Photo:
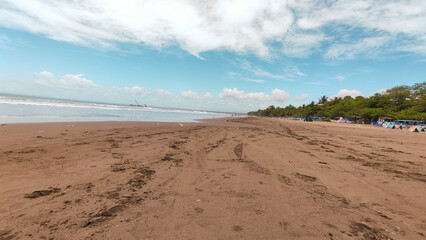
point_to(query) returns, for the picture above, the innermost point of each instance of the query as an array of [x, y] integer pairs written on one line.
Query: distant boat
[[138, 105]]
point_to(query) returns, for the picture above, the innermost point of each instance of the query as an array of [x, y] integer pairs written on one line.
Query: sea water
[[25, 109]]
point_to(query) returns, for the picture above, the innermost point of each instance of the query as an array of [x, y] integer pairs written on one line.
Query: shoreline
[[225, 178], [200, 121], [32, 110], [124, 122]]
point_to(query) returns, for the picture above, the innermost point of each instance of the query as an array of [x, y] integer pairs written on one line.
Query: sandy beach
[[235, 178]]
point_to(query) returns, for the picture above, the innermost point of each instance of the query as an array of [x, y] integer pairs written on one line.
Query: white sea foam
[[20, 109], [73, 104], [54, 103]]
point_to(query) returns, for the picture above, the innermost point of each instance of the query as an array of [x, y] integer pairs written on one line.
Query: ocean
[[26, 109]]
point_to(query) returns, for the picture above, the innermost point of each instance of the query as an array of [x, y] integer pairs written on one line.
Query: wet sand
[[241, 178]]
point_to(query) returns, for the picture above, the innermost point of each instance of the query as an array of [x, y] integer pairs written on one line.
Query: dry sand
[[242, 178]]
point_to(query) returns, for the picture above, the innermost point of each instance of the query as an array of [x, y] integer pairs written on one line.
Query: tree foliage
[[400, 102]]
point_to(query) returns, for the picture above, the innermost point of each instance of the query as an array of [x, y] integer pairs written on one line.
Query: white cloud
[[254, 80], [132, 92], [4, 38], [296, 28], [345, 92], [5, 41], [417, 45], [368, 47], [246, 65], [137, 91], [45, 78], [295, 70], [302, 44], [233, 74], [163, 92], [207, 96], [315, 83], [339, 77], [277, 95], [189, 94], [398, 16], [196, 26], [77, 84], [70, 81], [194, 95], [302, 97], [239, 76], [370, 27], [241, 95]]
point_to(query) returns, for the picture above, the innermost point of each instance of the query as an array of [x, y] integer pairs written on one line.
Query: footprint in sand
[[238, 150], [42, 193], [306, 178], [237, 228], [284, 224], [199, 210]]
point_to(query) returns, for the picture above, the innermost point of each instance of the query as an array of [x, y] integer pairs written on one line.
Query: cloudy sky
[[216, 55]]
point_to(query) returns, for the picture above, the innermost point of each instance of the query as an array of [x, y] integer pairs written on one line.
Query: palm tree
[[323, 100]]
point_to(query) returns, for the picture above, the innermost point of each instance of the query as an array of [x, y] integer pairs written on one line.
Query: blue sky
[[216, 55]]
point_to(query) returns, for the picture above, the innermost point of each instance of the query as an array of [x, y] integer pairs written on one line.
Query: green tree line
[[401, 102]]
